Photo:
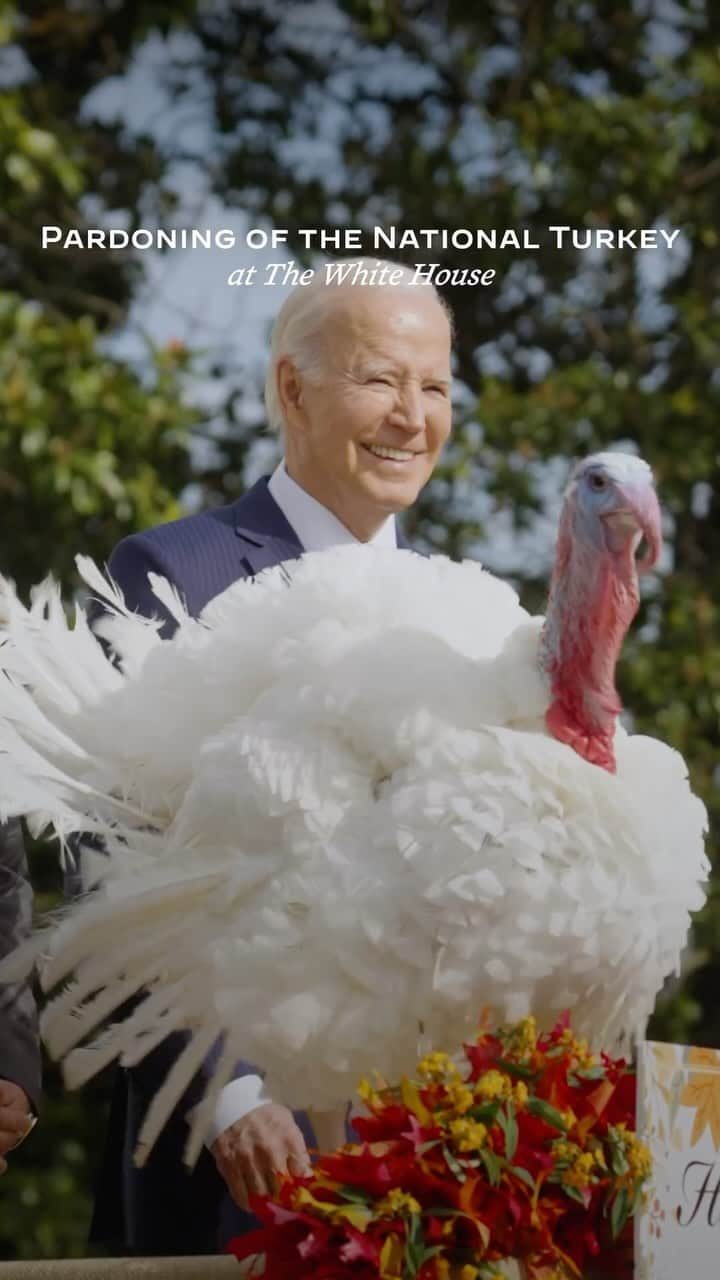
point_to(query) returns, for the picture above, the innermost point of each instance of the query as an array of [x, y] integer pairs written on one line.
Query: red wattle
[[595, 747]]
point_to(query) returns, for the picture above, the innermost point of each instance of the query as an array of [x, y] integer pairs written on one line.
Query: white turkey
[[363, 796]]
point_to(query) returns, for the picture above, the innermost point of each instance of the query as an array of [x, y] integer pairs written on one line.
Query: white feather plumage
[[334, 816]]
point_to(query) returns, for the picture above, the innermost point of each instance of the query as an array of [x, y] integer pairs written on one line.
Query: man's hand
[[15, 1116], [252, 1151]]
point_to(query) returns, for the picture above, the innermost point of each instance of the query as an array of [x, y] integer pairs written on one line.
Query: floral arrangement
[[526, 1151]]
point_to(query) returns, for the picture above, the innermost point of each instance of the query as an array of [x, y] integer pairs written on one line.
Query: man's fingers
[[298, 1160], [13, 1128], [270, 1161], [251, 1153], [258, 1175], [238, 1191], [297, 1152], [11, 1095], [286, 1154], [15, 1113]]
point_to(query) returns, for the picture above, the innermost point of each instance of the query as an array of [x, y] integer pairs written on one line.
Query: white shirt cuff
[[236, 1100]]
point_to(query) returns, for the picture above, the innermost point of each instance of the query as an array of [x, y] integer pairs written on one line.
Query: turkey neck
[[593, 599]]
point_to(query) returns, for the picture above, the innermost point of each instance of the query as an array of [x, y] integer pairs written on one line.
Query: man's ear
[[290, 390]]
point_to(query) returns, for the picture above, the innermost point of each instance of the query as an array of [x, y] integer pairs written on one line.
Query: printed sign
[[677, 1231]]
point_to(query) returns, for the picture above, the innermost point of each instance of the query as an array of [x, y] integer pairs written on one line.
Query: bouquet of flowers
[[524, 1151]]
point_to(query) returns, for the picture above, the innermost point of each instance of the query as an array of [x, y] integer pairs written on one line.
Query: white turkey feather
[[334, 816]]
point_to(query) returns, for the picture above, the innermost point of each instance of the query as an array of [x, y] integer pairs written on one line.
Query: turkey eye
[[597, 482]]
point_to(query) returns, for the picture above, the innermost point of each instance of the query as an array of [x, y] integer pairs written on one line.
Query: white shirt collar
[[316, 527]]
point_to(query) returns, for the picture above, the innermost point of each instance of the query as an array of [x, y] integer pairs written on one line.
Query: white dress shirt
[[317, 528]]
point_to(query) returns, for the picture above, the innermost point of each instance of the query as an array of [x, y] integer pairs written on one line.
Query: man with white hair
[[359, 387]]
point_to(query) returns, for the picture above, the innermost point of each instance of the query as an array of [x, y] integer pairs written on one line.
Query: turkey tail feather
[[173, 1088]]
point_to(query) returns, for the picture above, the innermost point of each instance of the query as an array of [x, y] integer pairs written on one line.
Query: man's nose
[[409, 411]]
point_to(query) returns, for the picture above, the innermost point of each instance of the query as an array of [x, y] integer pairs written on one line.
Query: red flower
[[523, 1169]]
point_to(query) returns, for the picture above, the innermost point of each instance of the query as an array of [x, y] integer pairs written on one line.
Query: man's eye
[[379, 379], [437, 386]]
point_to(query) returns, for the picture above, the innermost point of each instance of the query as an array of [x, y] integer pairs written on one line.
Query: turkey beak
[[639, 515]]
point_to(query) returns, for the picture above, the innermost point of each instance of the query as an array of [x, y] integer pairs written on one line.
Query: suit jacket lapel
[[262, 553], [265, 536]]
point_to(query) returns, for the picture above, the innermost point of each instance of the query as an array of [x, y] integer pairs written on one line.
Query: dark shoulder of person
[[198, 554]]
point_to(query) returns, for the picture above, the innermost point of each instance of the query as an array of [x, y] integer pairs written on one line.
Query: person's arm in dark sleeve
[[20, 1061], [129, 566]]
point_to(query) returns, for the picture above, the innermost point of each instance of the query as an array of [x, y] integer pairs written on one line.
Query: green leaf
[[508, 1123], [452, 1213], [417, 1254], [415, 1228], [453, 1165], [487, 1113], [620, 1212], [353, 1195], [597, 1072], [574, 1194], [493, 1165], [523, 1174], [414, 1245], [516, 1069], [618, 1159], [539, 1107]]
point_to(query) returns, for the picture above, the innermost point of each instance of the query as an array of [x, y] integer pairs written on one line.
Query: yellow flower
[[368, 1093], [565, 1150], [638, 1157], [460, 1098], [520, 1094], [579, 1167], [524, 1036], [599, 1156], [579, 1049], [391, 1258], [493, 1084], [358, 1215], [442, 1269], [398, 1201], [636, 1153], [437, 1066], [468, 1272], [468, 1134], [582, 1172]]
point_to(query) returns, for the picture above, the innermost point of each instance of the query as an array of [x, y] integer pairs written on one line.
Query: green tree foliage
[[89, 452], [90, 448]]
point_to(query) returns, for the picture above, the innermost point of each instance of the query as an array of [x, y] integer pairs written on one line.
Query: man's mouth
[[393, 455]]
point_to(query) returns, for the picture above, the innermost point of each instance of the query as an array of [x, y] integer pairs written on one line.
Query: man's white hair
[[299, 322]]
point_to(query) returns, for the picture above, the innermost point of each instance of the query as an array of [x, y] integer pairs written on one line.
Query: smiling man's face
[[363, 438]]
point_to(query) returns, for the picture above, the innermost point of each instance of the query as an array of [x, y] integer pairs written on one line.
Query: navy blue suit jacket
[[161, 1208]]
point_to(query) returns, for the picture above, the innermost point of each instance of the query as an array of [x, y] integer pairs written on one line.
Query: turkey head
[[610, 506]]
